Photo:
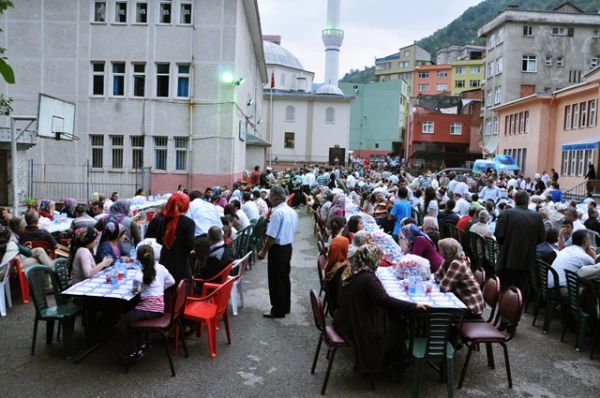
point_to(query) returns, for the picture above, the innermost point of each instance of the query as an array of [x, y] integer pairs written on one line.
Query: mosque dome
[[329, 89], [277, 55]]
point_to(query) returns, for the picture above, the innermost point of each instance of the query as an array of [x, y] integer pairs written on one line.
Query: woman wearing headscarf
[[68, 209], [81, 262], [337, 209], [455, 276], [414, 241], [431, 228], [119, 213], [176, 235], [362, 314], [46, 209]]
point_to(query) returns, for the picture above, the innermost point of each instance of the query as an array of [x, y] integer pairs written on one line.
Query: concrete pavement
[[272, 358]]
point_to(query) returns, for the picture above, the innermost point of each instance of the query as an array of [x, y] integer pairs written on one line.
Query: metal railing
[[580, 191]]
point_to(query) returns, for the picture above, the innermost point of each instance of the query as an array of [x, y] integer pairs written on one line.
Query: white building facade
[[172, 87]]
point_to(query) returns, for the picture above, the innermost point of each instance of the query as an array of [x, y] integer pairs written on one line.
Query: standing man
[[205, 215], [255, 176], [280, 235], [518, 232]]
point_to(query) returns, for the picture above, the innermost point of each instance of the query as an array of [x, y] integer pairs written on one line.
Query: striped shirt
[[152, 304], [152, 295]]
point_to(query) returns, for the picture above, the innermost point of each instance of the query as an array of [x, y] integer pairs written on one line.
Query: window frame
[[592, 113], [527, 31], [567, 122], [423, 87], [441, 74], [441, 87], [182, 76], [583, 114], [182, 4], [96, 3], [330, 115], [137, 151], [118, 76], [527, 61], [99, 148], [428, 123], [497, 95], [181, 153], [499, 67], [575, 122], [117, 12], [423, 75], [160, 13], [460, 70], [453, 127], [459, 83], [139, 3], [96, 74], [159, 75], [135, 77], [160, 149], [116, 148], [290, 113]]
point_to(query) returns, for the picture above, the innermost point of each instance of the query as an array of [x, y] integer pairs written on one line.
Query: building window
[[141, 12], [139, 80], [567, 123], [475, 69], [441, 87], [288, 140], [442, 73], [98, 78], [580, 163], [428, 127], [137, 151], [488, 126], [526, 127], [529, 63], [548, 60], [592, 111], [514, 123], [183, 80], [459, 83], [496, 125], [459, 70], [583, 110], [406, 53], [489, 98], [528, 31], [99, 11], [181, 151], [423, 87], [498, 95], [162, 80], [511, 125], [160, 153], [575, 123], [455, 128], [562, 31], [506, 124], [116, 142], [498, 65], [165, 9], [120, 12], [521, 123], [185, 12], [329, 115], [118, 78], [474, 83], [97, 144], [423, 75], [384, 66], [596, 33], [490, 69], [290, 113], [560, 61]]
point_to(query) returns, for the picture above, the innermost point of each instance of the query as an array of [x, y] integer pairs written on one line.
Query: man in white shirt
[[241, 214], [462, 206], [461, 188], [350, 182], [262, 206], [490, 192], [572, 258], [571, 214], [278, 244], [205, 215], [249, 207]]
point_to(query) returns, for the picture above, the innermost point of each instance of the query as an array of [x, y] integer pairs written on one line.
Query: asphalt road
[[272, 358]]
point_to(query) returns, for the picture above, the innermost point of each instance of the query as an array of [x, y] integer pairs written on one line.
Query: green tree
[[5, 70]]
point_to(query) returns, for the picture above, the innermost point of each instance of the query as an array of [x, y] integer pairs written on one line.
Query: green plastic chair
[[477, 250], [596, 314], [65, 313], [435, 346], [551, 296], [491, 254], [575, 312]]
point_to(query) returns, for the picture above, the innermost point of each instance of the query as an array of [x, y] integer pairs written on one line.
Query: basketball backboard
[[56, 118]]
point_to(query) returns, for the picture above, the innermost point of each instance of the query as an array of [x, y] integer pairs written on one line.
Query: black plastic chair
[[575, 312], [477, 249], [491, 254], [435, 346], [65, 313], [596, 304], [550, 295]]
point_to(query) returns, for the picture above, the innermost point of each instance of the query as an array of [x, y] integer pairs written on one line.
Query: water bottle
[[419, 284], [133, 253], [412, 283], [406, 273]]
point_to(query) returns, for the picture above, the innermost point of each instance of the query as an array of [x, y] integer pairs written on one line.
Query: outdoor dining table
[[61, 226], [97, 290]]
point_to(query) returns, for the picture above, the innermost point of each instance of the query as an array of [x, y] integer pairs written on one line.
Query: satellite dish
[[489, 144]]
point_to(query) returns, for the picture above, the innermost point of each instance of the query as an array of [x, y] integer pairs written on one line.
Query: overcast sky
[[371, 28]]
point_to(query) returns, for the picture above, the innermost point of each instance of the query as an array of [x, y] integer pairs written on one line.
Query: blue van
[[501, 164]]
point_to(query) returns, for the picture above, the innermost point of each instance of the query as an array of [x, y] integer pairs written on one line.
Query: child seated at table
[[151, 282], [111, 246]]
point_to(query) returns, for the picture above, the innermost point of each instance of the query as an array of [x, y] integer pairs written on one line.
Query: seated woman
[[338, 209], [68, 209], [46, 209], [151, 282], [82, 264], [336, 261], [355, 224], [431, 229], [111, 242], [417, 242], [28, 256], [367, 201], [362, 318], [455, 276]]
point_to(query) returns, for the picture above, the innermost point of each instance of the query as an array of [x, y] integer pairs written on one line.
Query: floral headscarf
[[45, 204], [411, 232], [366, 259], [119, 210], [69, 205], [177, 205]]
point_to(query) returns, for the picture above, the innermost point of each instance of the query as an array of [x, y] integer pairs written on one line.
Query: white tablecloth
[[96, 286], [59, 227]]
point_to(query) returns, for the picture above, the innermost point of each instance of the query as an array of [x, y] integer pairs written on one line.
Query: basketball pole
[[13, 155]]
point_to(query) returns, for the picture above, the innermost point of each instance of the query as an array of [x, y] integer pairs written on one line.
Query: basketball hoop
[[65, 135], [56, 118]]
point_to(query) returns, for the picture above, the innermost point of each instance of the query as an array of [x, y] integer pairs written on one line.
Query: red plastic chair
[[209, 309], [22, 280], [166, 323], [218, 279], [150, 215]]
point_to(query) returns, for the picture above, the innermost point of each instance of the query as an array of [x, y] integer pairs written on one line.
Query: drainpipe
[[191, 111]]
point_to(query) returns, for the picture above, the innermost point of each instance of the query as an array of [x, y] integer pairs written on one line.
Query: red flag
[[272, 79]]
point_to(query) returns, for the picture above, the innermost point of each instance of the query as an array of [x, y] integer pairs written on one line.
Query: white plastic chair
[[5, 294], [594, 237], [240, 265]]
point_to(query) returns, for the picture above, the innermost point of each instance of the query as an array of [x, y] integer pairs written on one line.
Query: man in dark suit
[[518, 232], [220, 254], [548, 250]]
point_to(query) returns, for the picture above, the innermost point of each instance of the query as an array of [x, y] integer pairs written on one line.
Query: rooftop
[[277, 55]]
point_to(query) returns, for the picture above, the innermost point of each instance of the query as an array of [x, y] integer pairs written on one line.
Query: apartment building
[[535, 52], [432, 80], [459, 53], [466, 75], [401, 65]]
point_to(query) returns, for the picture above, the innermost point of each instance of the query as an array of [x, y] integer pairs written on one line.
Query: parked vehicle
[[500, 164]]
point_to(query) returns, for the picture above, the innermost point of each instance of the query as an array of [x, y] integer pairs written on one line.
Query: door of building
[[337, 156]]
